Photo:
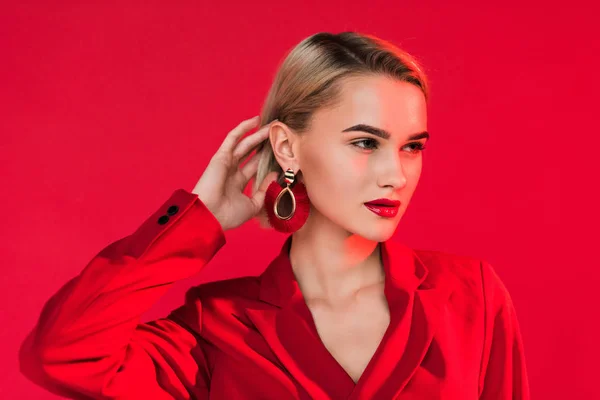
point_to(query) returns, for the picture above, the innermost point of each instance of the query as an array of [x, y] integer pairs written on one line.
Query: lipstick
[[384, 207]]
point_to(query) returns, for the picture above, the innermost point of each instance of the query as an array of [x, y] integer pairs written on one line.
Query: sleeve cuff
[[182, 222]]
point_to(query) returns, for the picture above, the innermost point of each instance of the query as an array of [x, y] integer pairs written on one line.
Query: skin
[[336, 255]]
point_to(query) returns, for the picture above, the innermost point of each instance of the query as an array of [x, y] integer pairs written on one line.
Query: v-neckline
[[307, 314], [328, 364], [372, 360], [290, 331]]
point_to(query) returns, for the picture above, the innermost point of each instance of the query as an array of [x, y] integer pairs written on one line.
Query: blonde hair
[[309, 78]]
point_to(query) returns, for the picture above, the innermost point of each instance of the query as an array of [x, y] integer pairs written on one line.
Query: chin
[[383, 235], [377, 232], [372, 228]]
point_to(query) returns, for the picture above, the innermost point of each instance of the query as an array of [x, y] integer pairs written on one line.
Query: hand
[[221, 185]]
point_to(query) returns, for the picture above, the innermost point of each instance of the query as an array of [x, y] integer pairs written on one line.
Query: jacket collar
[[278, 285], [416, 298]]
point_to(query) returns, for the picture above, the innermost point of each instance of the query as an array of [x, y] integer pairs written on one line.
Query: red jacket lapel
[[415, 301]]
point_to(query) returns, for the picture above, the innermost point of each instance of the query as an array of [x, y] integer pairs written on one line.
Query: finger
[[247, 155], [248, 171], [249, 143], [261, 136], [258, 199], [232, 137]]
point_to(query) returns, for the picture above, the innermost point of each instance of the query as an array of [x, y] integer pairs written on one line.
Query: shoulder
[[471, 276], [228, 291], [464, 271], [222, 300]]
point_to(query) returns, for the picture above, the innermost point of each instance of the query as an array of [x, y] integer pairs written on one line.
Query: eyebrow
[[383, 133]]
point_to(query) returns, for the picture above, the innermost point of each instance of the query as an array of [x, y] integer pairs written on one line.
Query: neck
[[330, 265]]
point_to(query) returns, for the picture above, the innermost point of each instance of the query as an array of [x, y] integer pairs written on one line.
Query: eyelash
[[419, 146]]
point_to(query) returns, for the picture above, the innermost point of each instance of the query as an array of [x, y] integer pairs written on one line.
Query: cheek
[[333, 180], [413, 173]]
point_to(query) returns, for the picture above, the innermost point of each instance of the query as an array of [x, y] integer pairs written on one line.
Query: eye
[[417, 147], [367, 141]]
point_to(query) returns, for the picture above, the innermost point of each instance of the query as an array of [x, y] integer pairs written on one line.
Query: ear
[[284, 143]]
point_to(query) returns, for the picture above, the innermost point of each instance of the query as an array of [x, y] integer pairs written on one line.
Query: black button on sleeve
[[172, 210], [163, 219]]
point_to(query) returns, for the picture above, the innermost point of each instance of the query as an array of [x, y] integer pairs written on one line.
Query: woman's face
[[343, 169]]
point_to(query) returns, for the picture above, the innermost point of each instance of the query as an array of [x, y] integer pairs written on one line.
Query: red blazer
[[453, 332]]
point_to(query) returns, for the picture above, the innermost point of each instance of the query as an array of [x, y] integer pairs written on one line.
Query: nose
[[393, 174]]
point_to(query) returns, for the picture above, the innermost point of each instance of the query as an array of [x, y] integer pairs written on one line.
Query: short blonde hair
[[309, 79]]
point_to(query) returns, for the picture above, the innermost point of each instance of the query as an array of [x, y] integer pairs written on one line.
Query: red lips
[[384, 202]]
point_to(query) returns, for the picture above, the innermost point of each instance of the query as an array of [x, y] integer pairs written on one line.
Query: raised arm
[[89, 342]]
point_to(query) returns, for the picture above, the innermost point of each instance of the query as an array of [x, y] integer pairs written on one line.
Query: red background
[[106, 109]]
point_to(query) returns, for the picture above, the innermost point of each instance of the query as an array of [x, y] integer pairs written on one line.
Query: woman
[[342, 312]]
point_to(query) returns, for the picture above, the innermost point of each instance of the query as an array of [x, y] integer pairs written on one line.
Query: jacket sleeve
[[88, 341], [503, 374]]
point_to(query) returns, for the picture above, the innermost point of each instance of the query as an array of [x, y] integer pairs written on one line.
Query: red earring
[[287, 216]]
